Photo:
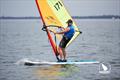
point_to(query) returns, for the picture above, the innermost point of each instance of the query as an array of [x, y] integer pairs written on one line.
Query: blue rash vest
[[70, 33]]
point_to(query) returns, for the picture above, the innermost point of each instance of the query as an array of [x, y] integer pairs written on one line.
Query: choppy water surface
[[24, 39]]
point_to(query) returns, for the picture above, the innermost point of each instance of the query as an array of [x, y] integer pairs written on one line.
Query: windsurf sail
[[54, 14]]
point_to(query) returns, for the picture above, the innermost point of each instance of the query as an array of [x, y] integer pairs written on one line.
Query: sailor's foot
[[60, 60], [64, 60]]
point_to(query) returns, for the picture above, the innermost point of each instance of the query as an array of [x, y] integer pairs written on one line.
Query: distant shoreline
[[74, 17]]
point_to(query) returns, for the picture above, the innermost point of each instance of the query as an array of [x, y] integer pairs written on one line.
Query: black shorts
[[64, 42]]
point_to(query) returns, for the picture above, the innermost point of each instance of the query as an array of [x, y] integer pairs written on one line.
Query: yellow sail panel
[[63, 15], [54, 13]]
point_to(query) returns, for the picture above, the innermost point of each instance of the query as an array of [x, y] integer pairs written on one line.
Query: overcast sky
[[75, 7]]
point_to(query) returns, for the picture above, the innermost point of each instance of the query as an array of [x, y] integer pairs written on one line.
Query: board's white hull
[[55, 63]]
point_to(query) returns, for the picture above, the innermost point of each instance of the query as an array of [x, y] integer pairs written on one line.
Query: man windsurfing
[[67, 35]]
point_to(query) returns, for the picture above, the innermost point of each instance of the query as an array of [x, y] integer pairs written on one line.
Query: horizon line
[[74, 17]]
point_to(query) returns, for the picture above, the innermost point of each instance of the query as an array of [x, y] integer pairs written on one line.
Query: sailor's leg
[[60, 53], [64, 53]]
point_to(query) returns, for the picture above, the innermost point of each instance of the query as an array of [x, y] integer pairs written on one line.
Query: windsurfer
[[68, 34]]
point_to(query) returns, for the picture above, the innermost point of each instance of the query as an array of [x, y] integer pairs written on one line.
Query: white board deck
[[60, 63]]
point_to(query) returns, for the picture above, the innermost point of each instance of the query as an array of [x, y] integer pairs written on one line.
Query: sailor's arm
[[62, 32]]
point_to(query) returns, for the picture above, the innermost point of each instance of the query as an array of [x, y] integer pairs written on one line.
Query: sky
[[75, 7]]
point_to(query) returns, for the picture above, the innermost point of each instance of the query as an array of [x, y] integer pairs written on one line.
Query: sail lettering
[[58, 5]]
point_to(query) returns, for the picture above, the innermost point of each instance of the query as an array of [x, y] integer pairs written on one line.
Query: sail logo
[[104, 68]]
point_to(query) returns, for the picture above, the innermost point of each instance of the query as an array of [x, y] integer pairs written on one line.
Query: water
[[23, 39]]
